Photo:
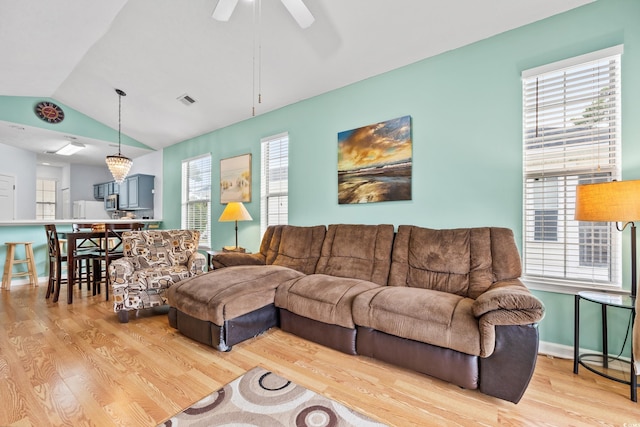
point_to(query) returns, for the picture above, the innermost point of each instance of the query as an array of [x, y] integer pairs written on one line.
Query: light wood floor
[[76, 365]]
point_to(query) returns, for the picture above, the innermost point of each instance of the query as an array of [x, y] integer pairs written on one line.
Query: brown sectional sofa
[[447, 303]]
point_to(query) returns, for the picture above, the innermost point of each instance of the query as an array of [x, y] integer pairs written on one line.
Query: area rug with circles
[[263, 399]]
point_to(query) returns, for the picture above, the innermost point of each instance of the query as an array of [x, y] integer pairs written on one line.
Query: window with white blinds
[[274, 181], [45, 198], [196, 197], [571, 136]]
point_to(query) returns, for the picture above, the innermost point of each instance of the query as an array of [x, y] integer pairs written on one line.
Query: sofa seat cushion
[[433, 317], [230, 292], [322, 297]]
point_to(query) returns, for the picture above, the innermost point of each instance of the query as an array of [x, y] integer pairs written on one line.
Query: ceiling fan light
[[224, 9], [119, 167], [300, 12]]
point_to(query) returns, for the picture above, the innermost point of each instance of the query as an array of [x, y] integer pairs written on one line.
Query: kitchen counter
[[27, 222], [33, 231]]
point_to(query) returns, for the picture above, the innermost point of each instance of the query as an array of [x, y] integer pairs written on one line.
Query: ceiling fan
[[296, 8]]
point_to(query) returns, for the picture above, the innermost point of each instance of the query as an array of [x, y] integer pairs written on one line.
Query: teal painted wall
[[28, 233], [19, 109], [466, 113]]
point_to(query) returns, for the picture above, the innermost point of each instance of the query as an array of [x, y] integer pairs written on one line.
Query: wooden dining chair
[[113, 246], [56, 260], [89, 251]]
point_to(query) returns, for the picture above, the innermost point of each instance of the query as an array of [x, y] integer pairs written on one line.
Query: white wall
[[22, 165], [82, 178]]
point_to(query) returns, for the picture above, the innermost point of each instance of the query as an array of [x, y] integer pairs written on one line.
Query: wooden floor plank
[[77, 365]]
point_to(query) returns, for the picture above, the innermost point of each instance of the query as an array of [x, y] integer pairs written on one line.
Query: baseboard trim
[[23, 282], [562, 351]]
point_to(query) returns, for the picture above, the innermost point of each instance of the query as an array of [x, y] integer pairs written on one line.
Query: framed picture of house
[[235, 179]]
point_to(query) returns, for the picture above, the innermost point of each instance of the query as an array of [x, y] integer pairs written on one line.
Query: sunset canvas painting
[[374, 162]]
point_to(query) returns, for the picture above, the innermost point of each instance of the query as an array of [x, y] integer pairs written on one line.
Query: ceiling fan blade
[[299, 11], [224, 9]]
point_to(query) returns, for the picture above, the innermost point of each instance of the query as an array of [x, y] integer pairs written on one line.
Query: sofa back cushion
[[357, 251], [270, 243], [160, 248], [296, 247], [463, 261]]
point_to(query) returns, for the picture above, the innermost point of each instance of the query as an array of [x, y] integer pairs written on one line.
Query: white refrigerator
[[89, 209]]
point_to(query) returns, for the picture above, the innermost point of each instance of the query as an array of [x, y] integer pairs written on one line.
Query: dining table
[[92, 238]]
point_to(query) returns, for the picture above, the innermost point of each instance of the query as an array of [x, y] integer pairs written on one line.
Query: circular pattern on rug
[[317, 416], [207, 404], [267, 389]]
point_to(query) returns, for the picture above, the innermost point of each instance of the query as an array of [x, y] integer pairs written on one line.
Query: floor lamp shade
[[235, 211], [615, 201]]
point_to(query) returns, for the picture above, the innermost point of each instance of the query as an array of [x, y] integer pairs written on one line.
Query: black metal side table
[[593, 361]]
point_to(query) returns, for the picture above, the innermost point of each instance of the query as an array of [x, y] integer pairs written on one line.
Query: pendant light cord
[[120, 95], [119, 121]]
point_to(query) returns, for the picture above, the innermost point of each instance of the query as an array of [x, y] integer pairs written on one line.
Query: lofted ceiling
[[78, 51]]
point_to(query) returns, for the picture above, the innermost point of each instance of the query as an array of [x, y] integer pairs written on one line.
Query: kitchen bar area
[[34, 231]]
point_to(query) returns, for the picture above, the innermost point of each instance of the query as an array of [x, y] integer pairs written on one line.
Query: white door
[[7, 197]]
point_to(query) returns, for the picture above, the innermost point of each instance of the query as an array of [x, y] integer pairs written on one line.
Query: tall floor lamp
[[615, 201], [235, 211], [619, 202]]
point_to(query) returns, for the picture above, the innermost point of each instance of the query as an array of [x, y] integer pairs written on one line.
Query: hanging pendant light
[[119, 165]]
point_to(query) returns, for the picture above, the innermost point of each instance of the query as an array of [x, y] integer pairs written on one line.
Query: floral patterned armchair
[[153, 261]]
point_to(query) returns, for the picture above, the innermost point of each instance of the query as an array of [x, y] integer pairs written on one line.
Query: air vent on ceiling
[[186, 99]]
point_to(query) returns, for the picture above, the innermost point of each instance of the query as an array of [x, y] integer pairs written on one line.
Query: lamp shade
[[615, 201], [235, 211]]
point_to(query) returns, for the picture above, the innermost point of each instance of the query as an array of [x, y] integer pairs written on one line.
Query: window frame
[[41, 203], [279, 191], [569, 173], [189, 201]]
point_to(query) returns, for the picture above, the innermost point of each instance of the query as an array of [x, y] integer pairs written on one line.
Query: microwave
[[111, 203]]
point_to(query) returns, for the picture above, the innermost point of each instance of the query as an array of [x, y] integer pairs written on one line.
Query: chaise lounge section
[[234, 303], [447, 303]]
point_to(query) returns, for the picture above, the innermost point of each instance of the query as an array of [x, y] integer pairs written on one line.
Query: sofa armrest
[[230, 259], [505, 303], [196, 264], [509, 302], [120, 271]]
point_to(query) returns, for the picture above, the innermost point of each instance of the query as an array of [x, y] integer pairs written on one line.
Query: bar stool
[[10, 261]]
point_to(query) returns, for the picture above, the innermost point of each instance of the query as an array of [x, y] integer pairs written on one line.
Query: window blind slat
[[571, 136], [274, 183], [196, 196]]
